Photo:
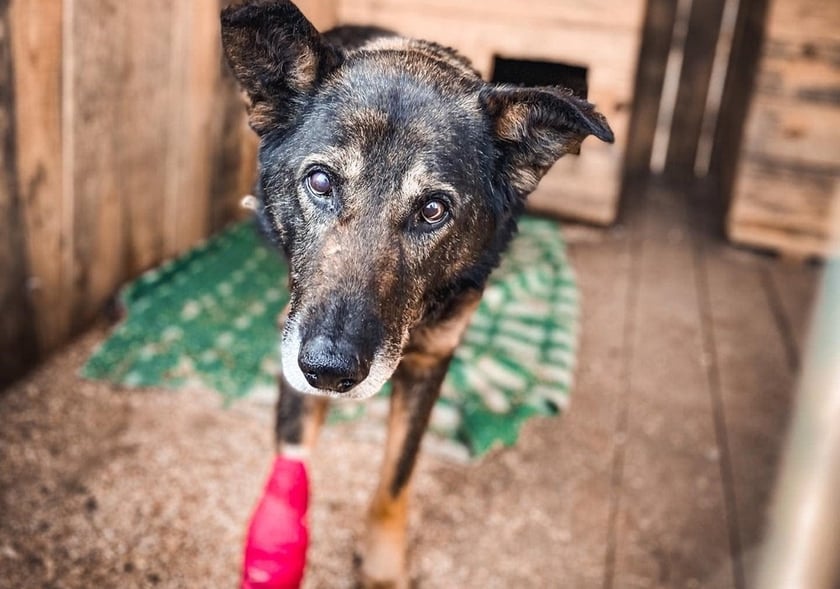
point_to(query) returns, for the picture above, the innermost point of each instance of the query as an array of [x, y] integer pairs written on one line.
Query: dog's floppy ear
[[277, 56], [533, 127]]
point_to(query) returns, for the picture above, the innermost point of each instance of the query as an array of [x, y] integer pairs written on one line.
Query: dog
[[391, 176]]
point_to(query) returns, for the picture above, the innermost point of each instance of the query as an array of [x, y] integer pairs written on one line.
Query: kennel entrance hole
[[525, 72]]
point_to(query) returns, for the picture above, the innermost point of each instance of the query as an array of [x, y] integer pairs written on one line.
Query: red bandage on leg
[[275, 549]]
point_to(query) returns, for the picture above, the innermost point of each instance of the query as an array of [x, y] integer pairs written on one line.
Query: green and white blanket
[[208, 318]]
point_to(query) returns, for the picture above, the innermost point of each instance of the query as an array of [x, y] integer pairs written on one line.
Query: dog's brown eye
[[434, 211], [319, 183]]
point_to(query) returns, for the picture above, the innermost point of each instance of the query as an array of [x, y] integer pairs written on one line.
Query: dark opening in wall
[[540, 73]]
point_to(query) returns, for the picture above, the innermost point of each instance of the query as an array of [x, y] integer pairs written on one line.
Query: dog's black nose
[[331, 365]]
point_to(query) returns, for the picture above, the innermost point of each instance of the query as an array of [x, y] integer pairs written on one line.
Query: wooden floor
[[687, 367]]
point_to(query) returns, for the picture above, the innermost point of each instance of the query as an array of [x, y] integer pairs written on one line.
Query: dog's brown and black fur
[[392, 177]]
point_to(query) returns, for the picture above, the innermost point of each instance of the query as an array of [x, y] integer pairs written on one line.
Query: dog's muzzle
[[331, 367]]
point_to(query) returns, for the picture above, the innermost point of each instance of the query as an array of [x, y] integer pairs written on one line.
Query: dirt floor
[[109, 488], [657, 476]]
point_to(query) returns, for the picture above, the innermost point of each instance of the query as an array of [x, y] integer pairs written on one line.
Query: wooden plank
[[672, 523], [143, 113], [610, 54], [210, 142], [806, 71], [796, 110], [806, 20], [94, 70], [234, 165], [790, 131], [690, 106], [18, 337], [650, 76], [784, 206], [131, 145], [36, 34], [193, 81], [737, 91], [119, 107], [756, 383], [788, 180], [612, 15], [569, 188]]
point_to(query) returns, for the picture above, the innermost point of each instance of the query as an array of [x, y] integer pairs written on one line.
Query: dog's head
[[391, 175]]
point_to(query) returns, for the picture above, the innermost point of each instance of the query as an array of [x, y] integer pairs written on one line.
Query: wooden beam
[[690, 106], [737, 92], [650, 76]]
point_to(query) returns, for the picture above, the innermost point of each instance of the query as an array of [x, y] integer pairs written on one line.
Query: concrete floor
[[658, 475]]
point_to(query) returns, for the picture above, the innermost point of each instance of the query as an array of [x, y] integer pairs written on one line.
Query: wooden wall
[[125, 142], [788, 180]]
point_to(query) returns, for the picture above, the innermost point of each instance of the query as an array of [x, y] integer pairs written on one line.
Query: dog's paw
[[385, 575]]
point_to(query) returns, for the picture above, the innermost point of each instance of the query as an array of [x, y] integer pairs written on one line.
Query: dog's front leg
[[415, 388], [299, 419], [416, 385], [277, 539]]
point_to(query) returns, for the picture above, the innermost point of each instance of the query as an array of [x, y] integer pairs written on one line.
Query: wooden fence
[[124, 144]]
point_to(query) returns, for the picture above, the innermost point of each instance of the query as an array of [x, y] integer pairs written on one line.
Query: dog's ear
[[277, 56], [534, 127]]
